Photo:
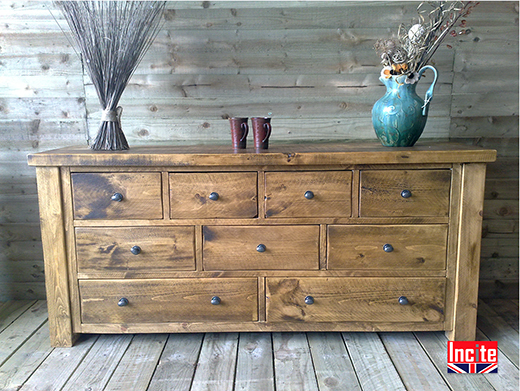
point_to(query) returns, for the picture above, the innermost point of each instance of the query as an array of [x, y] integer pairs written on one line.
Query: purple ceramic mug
[[261, 131]]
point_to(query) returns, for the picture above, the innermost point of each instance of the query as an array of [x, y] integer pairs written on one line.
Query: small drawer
[[344, 299], [213, 195], [169, 300], [404, 193], [122, 252], [418, 247], [308, 194], [129, 195], [261, 247]]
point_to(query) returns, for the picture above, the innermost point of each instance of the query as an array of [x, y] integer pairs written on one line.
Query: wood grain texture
[[99, 364], [236, 195], [164, 300], [381, 193], [138, 364], [177, 363], [353, 299], [332, 364], [108, 251], [20, 366], [54, 252], [372, 363], [20, 330], [216, 363], [57, 367], [497, 329], [92, 192], [254, 370], [267, 269], [236, 248], [412, 363], [286, 194], [468, 252], [277, 155], [293, 363], [361, 247]]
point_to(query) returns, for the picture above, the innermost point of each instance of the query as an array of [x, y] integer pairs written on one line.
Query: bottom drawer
[[346, 299], [169, 300]]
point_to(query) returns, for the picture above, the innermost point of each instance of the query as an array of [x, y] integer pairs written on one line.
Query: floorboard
[[412, 363], [247, 361], [96, 369], [293, 366], [178, 362], [507, 310], [332, 365], [372, 363], [255, 363], [217, 360], [136, 367]]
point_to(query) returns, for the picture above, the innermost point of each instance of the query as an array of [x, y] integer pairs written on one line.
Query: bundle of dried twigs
[[112, 38]]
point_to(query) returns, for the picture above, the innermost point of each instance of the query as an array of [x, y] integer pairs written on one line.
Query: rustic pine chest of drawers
[[326, 237]]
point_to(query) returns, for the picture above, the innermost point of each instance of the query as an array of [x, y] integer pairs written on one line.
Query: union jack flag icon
[[472, 368]]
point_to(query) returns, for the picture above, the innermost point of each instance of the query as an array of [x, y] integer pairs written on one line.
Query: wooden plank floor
[[246, 361]]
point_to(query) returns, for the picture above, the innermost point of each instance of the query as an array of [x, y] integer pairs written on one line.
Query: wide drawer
[[213, 195], [169, 300], [403, 193], [418, 247], [345, 299], [121, 252], [285, 247], [129, 195], [308, 194]]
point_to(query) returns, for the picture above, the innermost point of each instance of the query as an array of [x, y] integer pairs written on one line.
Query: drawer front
[[124, 251], [402, 193], [418, 247], [132, 195], [213, 195], [169, 300], [308, 194], [343, 299], [261, 247]]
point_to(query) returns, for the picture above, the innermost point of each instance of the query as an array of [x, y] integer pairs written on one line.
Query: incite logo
[[472, 357]]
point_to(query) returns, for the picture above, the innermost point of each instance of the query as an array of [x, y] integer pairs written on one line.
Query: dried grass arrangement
[[416, 44], [112, 38]]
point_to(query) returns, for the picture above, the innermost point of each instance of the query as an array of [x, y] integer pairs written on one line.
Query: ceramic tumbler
[[239, 130], [261, 131]]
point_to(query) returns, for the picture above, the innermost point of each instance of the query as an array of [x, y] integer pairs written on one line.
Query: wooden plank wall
[[309, 65]]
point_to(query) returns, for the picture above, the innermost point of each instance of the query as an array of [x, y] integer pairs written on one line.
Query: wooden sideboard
[[307, 237]]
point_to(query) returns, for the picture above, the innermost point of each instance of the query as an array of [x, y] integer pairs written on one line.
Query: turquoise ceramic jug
[[400, 115]]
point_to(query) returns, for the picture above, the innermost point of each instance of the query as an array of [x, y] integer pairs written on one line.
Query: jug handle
[[429, 94]]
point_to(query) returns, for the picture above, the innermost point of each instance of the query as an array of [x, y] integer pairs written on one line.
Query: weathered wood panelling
[[310, 65]]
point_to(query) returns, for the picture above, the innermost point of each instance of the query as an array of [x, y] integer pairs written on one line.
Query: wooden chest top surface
[[279, 155]]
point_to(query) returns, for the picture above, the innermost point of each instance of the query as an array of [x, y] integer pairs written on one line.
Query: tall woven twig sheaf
[[112, 38]]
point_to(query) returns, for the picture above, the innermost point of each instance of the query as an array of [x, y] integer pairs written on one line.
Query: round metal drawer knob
[[309, 300], [406, 194], [213, 196], [117, 197], [403, 300], [388, 248], [135, 250], [123, 302], [261, 248], [215, 300], [309, 195]]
